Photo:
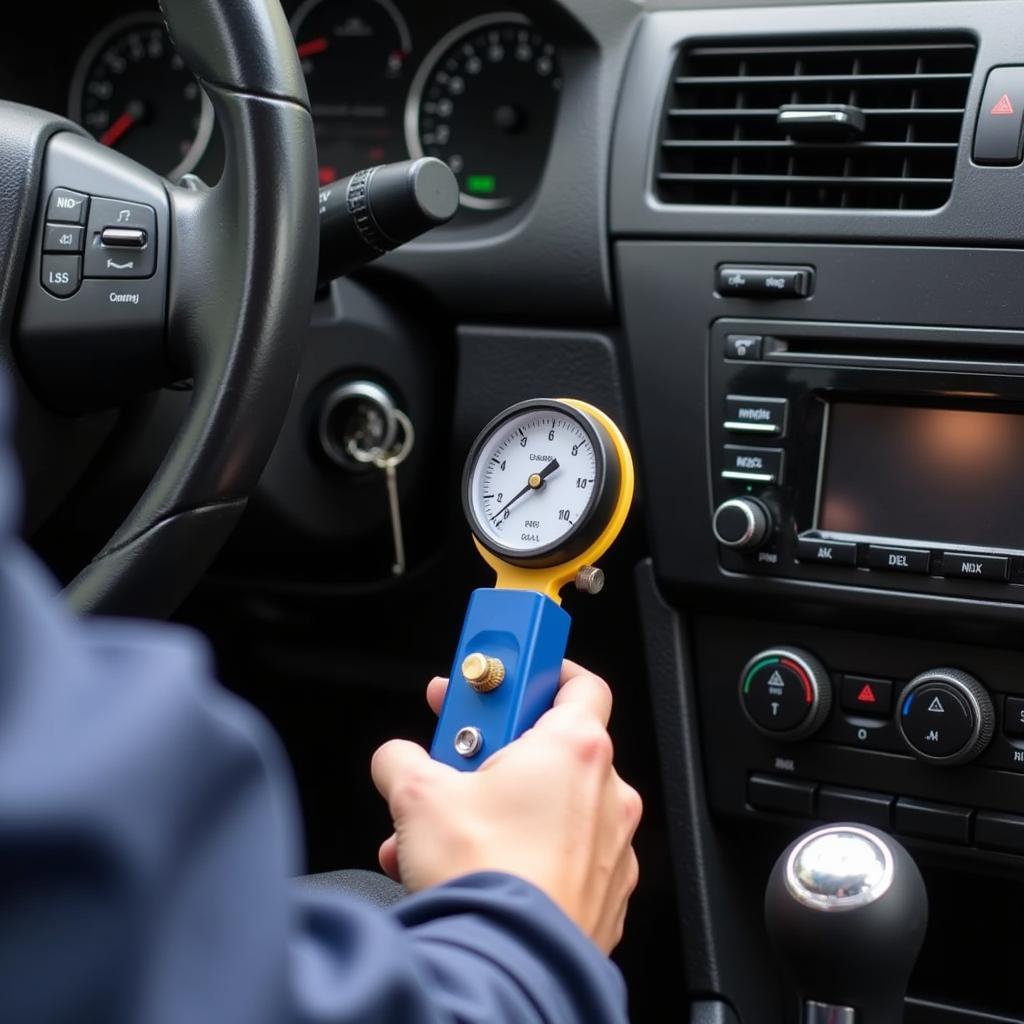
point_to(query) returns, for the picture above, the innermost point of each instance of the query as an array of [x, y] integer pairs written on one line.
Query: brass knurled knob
[[483, 673]]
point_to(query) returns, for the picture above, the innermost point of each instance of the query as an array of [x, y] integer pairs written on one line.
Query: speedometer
[[484, 100], [132, 90], [353, 54]]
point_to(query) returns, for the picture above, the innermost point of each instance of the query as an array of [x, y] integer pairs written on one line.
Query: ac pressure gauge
[[541, 483], [547, 488]]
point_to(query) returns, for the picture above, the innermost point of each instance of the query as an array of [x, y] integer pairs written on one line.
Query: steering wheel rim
[[240, 286]]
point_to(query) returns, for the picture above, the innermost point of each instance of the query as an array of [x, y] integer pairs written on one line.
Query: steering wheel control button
[[744, 347], [784, 796], [785, 693], [764, 282], [62, 275], [827, 552], [754, 465], [755, 415], [998, 138], [121, 239], [945, 716], [63, 238], [741, 523], [67, 207], [862, 696], [913, 560], [134, 238]]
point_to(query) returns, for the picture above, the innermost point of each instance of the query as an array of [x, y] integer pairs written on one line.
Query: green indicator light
[[482, 184], [753, 672]]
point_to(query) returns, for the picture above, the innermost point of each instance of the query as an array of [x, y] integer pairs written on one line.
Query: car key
[[389, 461]]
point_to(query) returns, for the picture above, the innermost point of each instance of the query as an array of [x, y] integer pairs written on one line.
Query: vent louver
[[721, 143]]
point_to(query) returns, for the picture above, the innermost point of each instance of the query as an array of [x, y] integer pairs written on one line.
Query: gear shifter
[[846, 909]]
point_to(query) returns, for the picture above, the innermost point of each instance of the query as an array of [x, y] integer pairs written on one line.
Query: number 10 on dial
[[546, 490]]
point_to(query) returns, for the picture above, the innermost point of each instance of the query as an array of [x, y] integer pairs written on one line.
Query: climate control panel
[[849, 725]]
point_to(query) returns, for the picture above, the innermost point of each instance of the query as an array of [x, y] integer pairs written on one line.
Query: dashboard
[[813, 334], [387, 80]]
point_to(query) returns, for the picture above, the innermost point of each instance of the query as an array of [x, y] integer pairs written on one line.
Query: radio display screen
[[945, 476]]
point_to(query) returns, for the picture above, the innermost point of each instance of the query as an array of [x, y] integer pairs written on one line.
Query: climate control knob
[[786, 693], [945, 716], [741, 523]]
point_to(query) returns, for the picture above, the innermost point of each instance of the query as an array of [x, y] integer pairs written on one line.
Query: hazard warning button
[[862, 696], [999, 136]]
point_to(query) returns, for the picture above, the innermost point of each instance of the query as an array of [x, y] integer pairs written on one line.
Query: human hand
[[549, 808]]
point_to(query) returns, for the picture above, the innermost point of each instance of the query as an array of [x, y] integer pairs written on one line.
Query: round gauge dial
[[132, 91], [540, 484], [354, 55], [484, 101]]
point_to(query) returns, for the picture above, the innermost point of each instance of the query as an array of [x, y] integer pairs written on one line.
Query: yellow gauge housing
[[551, 579]]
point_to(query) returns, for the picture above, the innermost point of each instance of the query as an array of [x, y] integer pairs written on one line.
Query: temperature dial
[[945, 716], [742, 523], [786, 693]]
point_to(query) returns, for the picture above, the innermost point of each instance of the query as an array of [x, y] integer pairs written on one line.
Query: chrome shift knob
[[847, 910], [839, 868]]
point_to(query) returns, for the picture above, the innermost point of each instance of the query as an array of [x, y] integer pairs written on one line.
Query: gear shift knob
[[846, 910]]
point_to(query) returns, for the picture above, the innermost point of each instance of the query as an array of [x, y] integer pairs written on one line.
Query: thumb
[[399, 761]]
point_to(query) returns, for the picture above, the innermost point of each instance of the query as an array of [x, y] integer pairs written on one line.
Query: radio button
[[755, 415], [758, 465], [829, 552], [898, 559], [974, 567], [746, 347]]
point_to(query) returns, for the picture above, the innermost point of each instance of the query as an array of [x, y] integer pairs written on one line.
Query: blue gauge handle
[[504, 676]]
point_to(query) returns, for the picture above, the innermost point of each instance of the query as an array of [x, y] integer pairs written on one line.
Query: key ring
[[397, 455]]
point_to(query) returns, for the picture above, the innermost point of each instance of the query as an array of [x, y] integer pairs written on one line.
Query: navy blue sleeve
[[147, 832]]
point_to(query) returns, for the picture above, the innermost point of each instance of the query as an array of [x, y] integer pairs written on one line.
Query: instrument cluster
[[387, 79]]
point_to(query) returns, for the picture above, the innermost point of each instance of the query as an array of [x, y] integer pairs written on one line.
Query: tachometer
[[132, 91], [354, 54], [484, 101]]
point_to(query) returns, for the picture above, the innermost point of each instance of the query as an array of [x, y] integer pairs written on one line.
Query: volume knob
[[945, 716], [741, 523]]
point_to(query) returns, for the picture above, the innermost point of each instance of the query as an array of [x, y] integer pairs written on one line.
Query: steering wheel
[[114, 282]]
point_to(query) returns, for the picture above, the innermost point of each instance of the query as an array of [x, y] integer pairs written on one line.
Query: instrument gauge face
[[354, 55], [484, 100], [132, 91], [540, 483]]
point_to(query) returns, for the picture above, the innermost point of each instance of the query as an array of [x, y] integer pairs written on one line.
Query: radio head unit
[[833, 460]]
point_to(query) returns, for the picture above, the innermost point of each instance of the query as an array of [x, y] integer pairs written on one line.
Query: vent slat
[[749, 51], [721, 143], [792, 179], [795, 81], [803, 147]]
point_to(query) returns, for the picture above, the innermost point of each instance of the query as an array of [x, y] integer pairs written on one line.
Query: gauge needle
[[533, 484], [312, 47], [131, 116]]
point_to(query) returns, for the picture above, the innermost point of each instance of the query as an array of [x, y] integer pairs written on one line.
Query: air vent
[[897, 106]]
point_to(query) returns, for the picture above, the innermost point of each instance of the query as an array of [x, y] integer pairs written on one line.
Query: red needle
[[118, 128], [313, 47]]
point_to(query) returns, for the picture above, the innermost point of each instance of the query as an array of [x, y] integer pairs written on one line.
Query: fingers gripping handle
[[526, 632]]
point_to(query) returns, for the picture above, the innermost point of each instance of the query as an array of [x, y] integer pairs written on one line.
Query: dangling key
[[389, 462]]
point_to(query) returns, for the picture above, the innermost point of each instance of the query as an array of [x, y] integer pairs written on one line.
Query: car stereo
[[890, 458]]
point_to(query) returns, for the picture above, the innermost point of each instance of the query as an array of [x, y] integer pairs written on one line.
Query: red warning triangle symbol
[[1003, 107], [866, 695]]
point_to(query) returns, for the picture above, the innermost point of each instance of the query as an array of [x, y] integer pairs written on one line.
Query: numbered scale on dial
[[547, 488]]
